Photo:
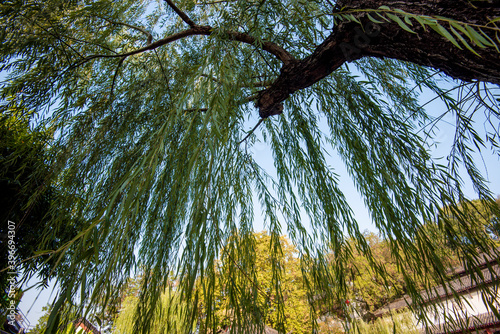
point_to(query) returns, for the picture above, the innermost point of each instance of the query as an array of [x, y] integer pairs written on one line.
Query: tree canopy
[[157, 106]]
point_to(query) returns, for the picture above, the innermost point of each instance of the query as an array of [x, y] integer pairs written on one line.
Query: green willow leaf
[[407, 20], [443, 32], [489, 39], [373, 20], [477, 37], [400, 22]]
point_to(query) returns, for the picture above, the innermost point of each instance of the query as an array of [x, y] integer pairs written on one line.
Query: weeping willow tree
[[157, 108]]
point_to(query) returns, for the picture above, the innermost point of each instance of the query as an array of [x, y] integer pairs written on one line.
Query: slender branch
[[196, 109], [88, 42], [270, 47], [252, 131], [154, 45], [262, 83], [214, 79], [251, 98], [182, 15], [164, 76], [114, 78], [141, 29], [214, 2], [56, 35]]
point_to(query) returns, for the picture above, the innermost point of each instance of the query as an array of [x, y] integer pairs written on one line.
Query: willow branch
[[154, 45], [270, 47], [214, 2], [196, 110], [252, 131], [263, 83], [181, 14], [251, 98], [114, 77], [141, 29]]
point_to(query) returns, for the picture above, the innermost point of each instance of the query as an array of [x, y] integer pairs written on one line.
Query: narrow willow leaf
[[344, 17], [477, 37], [489, 39], [383, 17], [460, 28], [422, 22], [400, 22], [443, 32], [428, 19], [352, 18], [407, 20], [373, 20], [464, 42]]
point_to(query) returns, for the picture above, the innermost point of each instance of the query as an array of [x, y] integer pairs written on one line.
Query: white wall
[[470, 304]]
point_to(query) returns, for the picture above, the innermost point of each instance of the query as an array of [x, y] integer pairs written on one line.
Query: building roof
[[481, 321], [487, 271], [86, 325], [464, 283]]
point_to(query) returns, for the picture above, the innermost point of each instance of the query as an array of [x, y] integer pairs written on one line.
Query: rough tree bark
[[389, 40]]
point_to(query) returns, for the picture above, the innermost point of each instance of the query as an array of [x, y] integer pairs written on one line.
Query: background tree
[[22, 174], [398, 323], [480, 215], [455, 226], [41, 325], [373, 289], [167, 316], [264, 289], [27, 195], [152, 103]]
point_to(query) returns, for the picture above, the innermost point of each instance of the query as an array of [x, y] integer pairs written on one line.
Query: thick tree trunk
[[349, 41]]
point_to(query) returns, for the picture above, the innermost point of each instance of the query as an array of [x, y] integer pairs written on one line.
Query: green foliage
[[167, 315], [373, 287], [154, 163], [41, 325], [42, 321], [27, 194], [456, 226], [258, 282]]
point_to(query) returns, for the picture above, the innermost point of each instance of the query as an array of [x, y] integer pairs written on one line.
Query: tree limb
[[270, 47], [114, 77], [252, 131], [144, 31], [182, 15], [425, 47]]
